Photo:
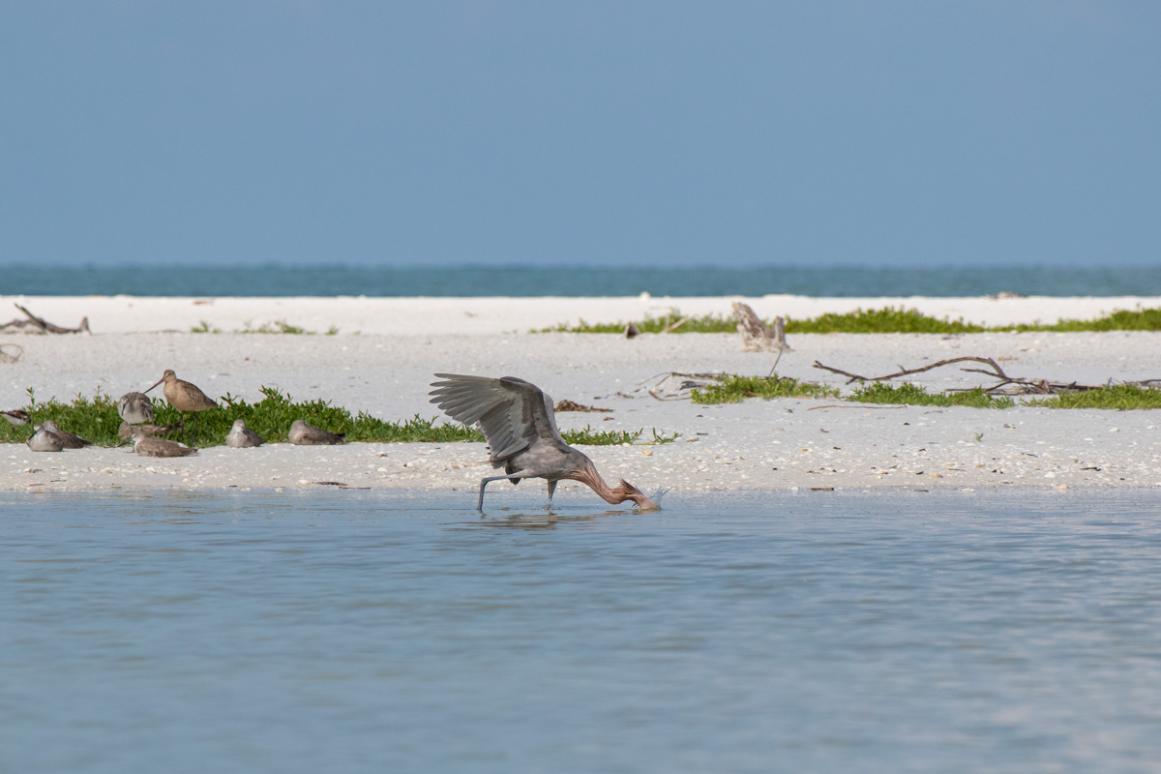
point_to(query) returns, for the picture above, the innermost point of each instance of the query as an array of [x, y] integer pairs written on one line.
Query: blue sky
[[639, 132]]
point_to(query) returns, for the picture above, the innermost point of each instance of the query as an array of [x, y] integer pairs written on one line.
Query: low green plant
[[1121, 397], [96, 420], [915, 395], [885, 320], [204, 327], [734, 389]]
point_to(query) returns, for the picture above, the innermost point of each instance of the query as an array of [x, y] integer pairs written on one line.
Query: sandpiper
[[68, 440], [44, 440], [149, 446], [135, 408], [303, 434], [16, 416], [182, 395], [241, 436], [125, 431]]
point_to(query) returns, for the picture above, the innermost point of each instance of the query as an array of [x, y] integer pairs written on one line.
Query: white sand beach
[[385, 351]]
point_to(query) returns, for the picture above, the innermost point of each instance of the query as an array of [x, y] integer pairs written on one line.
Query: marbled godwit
[[16, 416], [136, 408], [182, 395], [303, 434], [519, 422], [68, 440], [44, 440], [149, 446], [241, 437]]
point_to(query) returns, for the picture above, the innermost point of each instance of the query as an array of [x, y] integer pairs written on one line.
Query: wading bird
[[241, 437], [519, 422], [302, 434], [150, 446], [135, 407], [68, 440], [182, 395], [44, 440]]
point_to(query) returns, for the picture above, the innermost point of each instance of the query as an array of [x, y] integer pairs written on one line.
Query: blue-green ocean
[[605, 280]]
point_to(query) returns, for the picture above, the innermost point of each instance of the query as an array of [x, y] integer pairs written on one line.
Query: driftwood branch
[[1005, 383], [31, 323]]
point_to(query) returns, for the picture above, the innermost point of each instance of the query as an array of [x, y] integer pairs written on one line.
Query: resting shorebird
[[303, 434], [68, 440], [16, 416], [44, 440], [126, 430], [183, 395], [519, 422], [241, 437], [150, 446], [135, 408]]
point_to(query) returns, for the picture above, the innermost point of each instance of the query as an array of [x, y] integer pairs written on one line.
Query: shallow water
[[356, 632]]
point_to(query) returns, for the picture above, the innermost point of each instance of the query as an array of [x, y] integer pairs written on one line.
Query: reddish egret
[[518, 420]]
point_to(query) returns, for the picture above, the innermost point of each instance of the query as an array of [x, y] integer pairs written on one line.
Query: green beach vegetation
[[884, 320], [734, 389], [96, 420], [276, 327]]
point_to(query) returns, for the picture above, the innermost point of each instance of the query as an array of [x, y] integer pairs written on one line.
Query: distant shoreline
[[499, 315]]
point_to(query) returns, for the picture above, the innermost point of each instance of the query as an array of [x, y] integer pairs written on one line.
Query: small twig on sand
[[851, 406], [572, 405], [10, 353]]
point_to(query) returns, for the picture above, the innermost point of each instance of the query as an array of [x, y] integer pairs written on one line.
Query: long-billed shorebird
[[303, 434], [44, 440], [150, 446], [68, 440], [520, 424], [182, 395], [136, 408], [241, 437]]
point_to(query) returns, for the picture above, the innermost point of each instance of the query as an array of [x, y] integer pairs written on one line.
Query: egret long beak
[[159, 381]]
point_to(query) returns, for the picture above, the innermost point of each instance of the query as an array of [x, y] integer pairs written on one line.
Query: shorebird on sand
[[182, 395], [126, 430], [303, 434], [44, 440], [68, 440], [16, 416], [520, 424], [241, 437], [135, 407], [150, 446]]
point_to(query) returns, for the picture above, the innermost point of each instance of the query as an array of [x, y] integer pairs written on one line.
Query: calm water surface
[[347, 631], [619, 280]]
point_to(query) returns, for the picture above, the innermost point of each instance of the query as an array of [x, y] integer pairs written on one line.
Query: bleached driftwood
[[30, 323]]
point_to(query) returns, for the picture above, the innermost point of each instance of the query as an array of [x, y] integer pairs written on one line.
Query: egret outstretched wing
[[513, 413]]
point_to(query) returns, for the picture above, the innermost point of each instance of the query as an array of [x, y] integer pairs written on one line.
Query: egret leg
[[488, 480], [551, 491]]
